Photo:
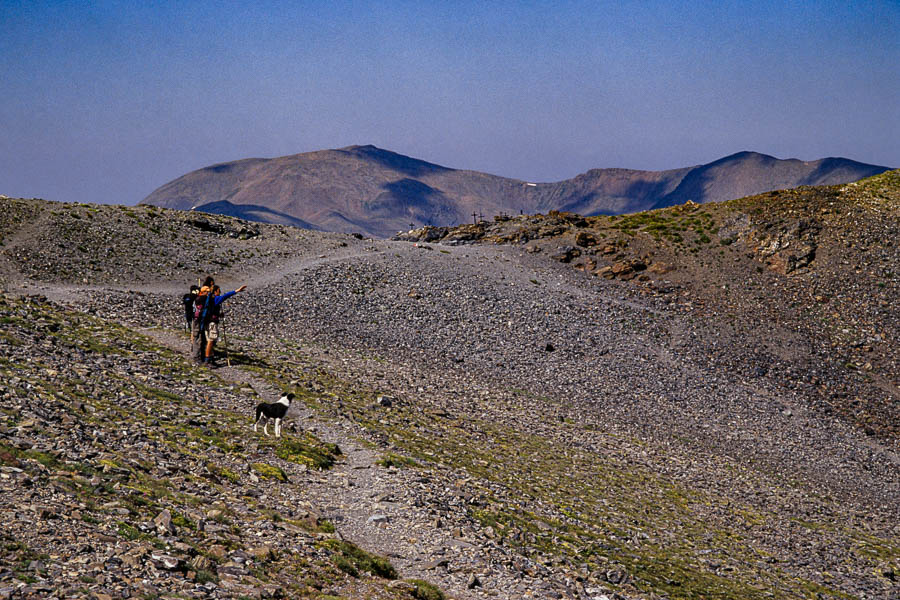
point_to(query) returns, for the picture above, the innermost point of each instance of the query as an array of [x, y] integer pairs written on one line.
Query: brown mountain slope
[[749, 173], [364, 188], [360, 188]]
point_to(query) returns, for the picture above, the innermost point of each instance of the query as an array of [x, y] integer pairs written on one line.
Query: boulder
[[605, 272], [566, 254], [163, 522], [585, 239]]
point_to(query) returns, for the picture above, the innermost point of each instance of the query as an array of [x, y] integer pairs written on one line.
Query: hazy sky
[[105, 101]]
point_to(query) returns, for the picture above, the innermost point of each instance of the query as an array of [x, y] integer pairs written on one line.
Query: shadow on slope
[[254, 212], [833, 171], [409, 198], [695, 185], [397, 162]]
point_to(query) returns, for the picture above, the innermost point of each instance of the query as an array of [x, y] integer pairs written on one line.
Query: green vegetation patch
[[352, 559], [222, 472], [398, 461], [426, 591], [669, 223], [267, 471], [308, 450], [130, 532]]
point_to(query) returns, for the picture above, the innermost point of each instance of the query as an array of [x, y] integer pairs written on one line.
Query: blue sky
[[105, 101]]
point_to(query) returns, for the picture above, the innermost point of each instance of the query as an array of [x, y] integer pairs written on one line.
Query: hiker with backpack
[[188, 300], [212, 328], [198, 333], [207, 320]]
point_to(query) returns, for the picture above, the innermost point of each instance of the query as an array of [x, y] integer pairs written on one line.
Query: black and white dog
[[276, 411]]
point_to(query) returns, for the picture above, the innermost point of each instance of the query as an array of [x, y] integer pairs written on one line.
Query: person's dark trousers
[[198, 340], [188, 301]]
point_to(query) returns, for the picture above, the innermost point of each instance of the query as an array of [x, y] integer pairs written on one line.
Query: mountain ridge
[[379, 192]]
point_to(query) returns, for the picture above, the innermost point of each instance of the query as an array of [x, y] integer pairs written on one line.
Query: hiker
[[212, 322], [188, 301], [213, 311], [198, 324]]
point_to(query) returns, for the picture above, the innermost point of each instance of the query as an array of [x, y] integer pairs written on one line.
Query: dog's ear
[[290, 397]]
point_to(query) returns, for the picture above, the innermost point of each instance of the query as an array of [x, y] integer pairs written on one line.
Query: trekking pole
[[225, 338]]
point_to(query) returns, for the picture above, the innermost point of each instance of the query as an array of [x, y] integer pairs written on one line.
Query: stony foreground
[[480, 417]]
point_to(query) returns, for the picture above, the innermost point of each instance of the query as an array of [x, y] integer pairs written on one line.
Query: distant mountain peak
[[363, 148], [745, 155], [393, 160], [369, 189]]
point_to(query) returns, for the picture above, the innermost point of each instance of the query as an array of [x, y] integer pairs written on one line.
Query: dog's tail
[[259, 412]]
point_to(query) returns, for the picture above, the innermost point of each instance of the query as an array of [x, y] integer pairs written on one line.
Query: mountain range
[[379, 192]]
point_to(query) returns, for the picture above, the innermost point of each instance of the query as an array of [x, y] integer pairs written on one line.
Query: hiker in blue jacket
[[210, 318], [198, 323]]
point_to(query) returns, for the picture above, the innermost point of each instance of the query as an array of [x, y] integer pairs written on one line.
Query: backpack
[[188, 301], [202, 304]]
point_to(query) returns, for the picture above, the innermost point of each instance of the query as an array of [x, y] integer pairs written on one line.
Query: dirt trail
[[59, 291], [357, 495]]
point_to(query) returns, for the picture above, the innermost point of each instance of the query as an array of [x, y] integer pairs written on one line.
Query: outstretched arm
[[227, 295]]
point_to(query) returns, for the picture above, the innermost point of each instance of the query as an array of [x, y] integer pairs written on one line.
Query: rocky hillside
[[696, 402], [810, 273], [377, 192]]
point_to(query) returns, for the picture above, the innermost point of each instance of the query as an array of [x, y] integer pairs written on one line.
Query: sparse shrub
[[272, 514], [203, 576], [308, 451], [345, 565], [269, 471], [220, 471], [182, 521], [395, 460], [426, 591], [325, 526], [129, 532], [352, 559]]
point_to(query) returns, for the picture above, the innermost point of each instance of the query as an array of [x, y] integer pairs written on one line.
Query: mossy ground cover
[[306, 449], [353, 560], [392, 459], [677, 224]]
